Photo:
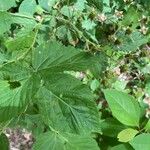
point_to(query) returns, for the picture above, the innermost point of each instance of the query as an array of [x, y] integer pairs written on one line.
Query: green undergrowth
[[75, 73]]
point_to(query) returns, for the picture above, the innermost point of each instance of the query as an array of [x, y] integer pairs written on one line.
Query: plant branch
[[80, 33]]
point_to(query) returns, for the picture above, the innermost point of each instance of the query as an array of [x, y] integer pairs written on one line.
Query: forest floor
[[20, 139]]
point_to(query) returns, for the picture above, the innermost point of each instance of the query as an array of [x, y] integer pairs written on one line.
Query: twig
[[80, 33]]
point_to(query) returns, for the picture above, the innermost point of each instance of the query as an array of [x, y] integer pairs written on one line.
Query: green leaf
[[96, 3], [66, 11], [66, 98], [15, 96], [47, 4], [132, 42], [141, 142], [111, 127], [29, 23], [106, 6], [62, 95], [61, 32], [147, 126], [146, 70], [21, 42], [28, 7], [127, 135], [120, 85], [17, 88], [123, 106], [88, 24], [6, 4], [80, 5], [15, 71], [7, 19], [54, 57], [122, 147], [64, 141], [4, 143], [131, 17], [95, 84], [3, 58]]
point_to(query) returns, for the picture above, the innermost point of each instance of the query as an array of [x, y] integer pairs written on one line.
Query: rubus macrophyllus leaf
[[64, 141], [18, 86], [55, 57], [66, 98]]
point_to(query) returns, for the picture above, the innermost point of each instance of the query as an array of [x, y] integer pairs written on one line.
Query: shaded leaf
[[4, 143], [7, 19], [122, 147], [96, 3], [111, 127]]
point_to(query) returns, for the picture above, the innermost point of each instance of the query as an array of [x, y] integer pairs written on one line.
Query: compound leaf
[[54, 57], [64, 141], [66, 98]]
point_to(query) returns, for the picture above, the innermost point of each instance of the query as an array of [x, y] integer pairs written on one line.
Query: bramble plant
[[75, 73]]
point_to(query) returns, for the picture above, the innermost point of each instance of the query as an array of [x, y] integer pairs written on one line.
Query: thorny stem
[[80, 33]]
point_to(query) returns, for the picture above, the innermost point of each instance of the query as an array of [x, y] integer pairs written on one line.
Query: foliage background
[[46, 45]]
